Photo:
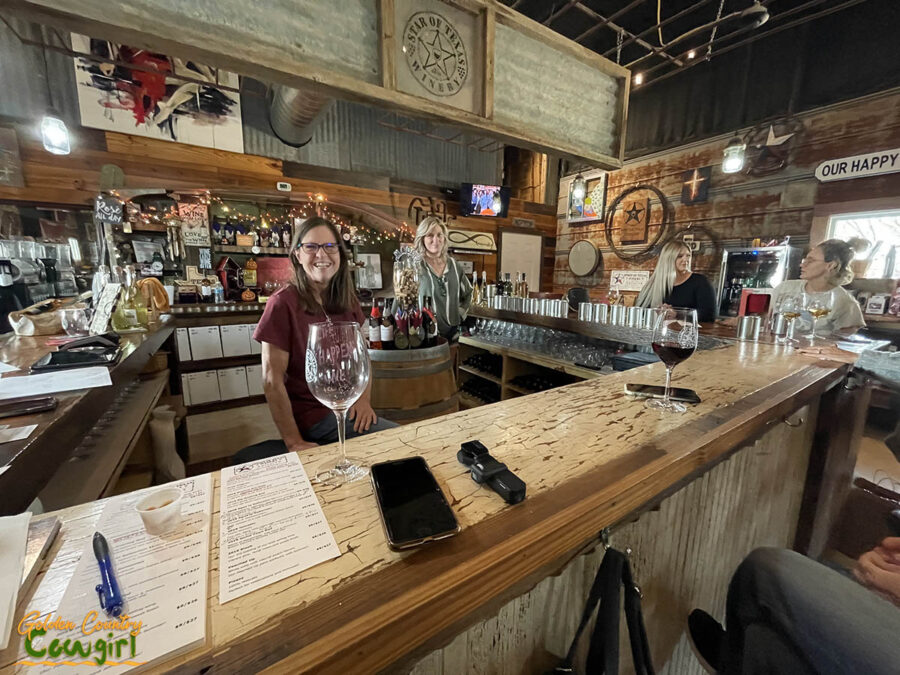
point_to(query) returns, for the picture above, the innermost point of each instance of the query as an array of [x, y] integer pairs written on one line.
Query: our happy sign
[[859, 166]]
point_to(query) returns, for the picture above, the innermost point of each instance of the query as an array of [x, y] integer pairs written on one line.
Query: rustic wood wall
[[741, 207], [684, 554], [74, 180]]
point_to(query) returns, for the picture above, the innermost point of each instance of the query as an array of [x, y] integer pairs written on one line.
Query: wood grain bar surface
[[590, 455], [33, 461]]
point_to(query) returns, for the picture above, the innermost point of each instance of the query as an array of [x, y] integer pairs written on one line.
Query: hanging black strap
[[603, 654]]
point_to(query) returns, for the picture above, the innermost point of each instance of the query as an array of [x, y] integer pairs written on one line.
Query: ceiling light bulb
[[639, 78], [691, 54], [55, 135], [733, 156]]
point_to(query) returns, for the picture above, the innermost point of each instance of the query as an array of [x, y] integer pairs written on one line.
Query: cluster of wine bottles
[[492, 364], [411, 328], [506, 286], [542, 382], [484, 391]]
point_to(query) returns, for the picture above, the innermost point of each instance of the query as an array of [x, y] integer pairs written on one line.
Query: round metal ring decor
[[638, 212], [583, 258]]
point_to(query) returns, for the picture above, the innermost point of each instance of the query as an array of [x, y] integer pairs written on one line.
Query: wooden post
[[388, 44], [841, 422], [490, 29]]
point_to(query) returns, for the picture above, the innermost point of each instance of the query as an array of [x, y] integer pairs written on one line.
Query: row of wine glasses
[[792, 306]]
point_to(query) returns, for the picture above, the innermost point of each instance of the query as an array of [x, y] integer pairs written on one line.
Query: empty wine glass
[[819, 305], [76, 321], [337, 372], [674, 340]]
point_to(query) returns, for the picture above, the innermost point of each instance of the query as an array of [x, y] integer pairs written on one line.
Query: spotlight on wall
[[579, 187], [733, 156], [54, 134], [638, 79]]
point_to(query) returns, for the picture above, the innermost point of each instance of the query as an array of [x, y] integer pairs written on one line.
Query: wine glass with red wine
[[674, 340]]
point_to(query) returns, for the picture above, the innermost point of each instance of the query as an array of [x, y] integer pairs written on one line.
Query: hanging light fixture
[[579, 187], [54, 134], [733, 156]]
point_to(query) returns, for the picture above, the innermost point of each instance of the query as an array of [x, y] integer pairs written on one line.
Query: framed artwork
[[10, 161], [695, 185], [593, 206], [136, 92], [369, 275]]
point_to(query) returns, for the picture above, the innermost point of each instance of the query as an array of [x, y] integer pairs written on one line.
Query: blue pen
[[108, 590]]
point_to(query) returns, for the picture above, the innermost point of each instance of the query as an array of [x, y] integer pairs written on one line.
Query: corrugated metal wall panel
[[23, 86], [577, 104], [349, 136]]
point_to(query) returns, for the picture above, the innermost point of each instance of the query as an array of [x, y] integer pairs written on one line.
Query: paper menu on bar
[[163, 580], [271, 525], [52, 383]]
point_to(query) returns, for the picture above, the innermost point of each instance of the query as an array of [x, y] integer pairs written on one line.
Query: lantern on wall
[[579, 187], [55, 135], [733, 156]]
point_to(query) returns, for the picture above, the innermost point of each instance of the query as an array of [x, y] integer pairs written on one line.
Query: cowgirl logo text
[[94, 641]]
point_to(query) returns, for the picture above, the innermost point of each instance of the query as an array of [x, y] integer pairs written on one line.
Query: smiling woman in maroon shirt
[[321, 287]]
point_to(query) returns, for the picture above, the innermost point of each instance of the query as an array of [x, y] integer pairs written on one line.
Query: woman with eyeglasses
[[441, 278], [826, 268], [321, 288]]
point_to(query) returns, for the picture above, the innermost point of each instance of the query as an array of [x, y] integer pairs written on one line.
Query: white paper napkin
[[13, 538]]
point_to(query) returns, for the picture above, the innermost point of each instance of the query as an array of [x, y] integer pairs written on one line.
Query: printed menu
[[271, 525], [163, 580]]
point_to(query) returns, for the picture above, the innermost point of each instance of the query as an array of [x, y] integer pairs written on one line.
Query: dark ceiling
[[808, 54]]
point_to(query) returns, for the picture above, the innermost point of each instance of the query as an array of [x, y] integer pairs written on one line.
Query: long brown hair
[[339, 296]]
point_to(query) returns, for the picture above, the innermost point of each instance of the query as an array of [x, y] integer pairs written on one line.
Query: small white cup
[[161, 510]]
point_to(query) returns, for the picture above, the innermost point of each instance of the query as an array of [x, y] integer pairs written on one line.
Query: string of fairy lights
[[353, 231]]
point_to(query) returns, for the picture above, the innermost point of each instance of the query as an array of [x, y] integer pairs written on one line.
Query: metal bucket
[[601, 312], [585, 311], [634, 317], [617, 315], [749, 327]]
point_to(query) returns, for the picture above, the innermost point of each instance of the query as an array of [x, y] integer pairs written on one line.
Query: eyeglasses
[[330, 248]]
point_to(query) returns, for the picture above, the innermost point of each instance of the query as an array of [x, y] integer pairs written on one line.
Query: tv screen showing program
[[490, 201]]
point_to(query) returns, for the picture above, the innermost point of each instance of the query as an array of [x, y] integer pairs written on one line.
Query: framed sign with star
[[438, 53], [769, 146], [695, 185]]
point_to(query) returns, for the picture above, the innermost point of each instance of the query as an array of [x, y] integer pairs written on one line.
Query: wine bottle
[[387, 329], [429, 321], [401, 337], [375, 327]]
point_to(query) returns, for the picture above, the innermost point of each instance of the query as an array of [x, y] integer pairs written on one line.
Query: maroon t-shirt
[[285, 324]]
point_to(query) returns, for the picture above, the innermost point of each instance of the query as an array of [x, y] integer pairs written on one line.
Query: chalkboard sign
[[108, 210]]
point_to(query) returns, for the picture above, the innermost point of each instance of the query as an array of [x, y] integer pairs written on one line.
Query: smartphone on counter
[[412, 505], [14, 407], [658, 391]]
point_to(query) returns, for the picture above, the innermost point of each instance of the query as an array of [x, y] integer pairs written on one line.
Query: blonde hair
[[428, 222], [841, 252], [661, 282]]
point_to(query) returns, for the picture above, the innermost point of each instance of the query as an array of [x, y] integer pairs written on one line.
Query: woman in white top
[[826, 268]]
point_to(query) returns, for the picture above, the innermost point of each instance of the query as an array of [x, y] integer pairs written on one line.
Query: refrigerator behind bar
[[764, 267]]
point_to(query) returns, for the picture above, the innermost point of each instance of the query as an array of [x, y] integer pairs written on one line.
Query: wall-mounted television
[[491, 201]]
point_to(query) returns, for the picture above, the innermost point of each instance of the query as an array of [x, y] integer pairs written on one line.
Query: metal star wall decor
[[769, 145]]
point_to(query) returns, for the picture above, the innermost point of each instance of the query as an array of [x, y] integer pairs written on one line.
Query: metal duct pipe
[[293, 113]]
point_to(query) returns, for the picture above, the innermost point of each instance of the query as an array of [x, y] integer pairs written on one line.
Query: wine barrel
[[409, 385]]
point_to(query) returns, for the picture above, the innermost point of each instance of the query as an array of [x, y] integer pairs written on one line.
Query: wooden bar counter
[[707, 486], [31, 463]]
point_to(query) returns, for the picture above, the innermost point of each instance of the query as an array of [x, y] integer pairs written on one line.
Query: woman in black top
[[672, 283]]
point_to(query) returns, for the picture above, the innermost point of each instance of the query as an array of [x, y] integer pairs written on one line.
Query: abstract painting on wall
[[153, 95]]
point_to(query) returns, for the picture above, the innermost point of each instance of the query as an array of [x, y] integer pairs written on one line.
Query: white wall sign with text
[[859, 166], [628, 280]]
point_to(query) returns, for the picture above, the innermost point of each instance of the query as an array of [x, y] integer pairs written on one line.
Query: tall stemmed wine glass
[[674, 340], [819, 305], [337, 372], [790, 307]]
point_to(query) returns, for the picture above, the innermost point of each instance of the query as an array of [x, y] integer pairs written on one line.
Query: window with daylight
[[881, 230]]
